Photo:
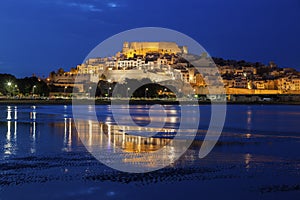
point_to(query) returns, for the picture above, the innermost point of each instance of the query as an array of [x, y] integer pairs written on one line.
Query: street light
[[65, 90], [109, 89], [195, 95], [90, 88], [128, 92], [146, 90], [15, 89], [9, 89], [165, 93], [33, 88]]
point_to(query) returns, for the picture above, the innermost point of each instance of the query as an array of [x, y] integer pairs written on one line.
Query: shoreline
[[135, 102]]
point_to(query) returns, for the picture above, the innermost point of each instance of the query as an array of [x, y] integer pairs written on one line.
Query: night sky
[[39, 36]]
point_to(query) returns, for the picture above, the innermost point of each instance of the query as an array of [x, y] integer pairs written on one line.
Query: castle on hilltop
[[142, 48], [162, 62], [157, 61]]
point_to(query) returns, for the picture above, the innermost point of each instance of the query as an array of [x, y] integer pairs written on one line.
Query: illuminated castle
[[142, 48]]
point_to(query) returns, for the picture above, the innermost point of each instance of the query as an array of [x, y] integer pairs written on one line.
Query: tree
[[104, 88], [7, 83], [32, 85]]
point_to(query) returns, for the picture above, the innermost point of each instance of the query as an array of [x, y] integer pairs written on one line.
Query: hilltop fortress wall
[[142, 48]]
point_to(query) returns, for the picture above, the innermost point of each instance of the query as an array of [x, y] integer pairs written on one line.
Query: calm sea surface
[[42, 156]]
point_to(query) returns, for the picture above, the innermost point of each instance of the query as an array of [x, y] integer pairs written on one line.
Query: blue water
[[257, 156]]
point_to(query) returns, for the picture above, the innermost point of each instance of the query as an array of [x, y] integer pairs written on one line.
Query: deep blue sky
[[38, 36]]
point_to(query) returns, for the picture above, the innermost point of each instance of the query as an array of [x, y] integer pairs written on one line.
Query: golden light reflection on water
[[112, 136], [112, 141]]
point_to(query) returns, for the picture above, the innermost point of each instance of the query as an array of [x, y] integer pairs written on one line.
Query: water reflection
[[16, 113], [33, 113], [106, 136], [8, 113], [67, 143], [33, 129], [249, 122], [12, 118], [248, 158], [16, 130], [112, 140], [128, 139], [113, 136], [29, 118], [249, 118], [10, 145]]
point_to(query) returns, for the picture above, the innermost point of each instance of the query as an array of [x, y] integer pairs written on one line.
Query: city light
[[128, 91], [9, 89], [146, 90], [33, 90]]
